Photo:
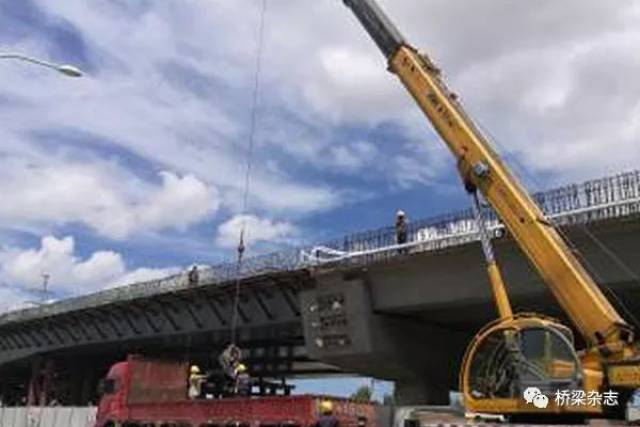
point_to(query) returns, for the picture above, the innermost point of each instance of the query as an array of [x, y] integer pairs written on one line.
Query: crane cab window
[[509, 361]]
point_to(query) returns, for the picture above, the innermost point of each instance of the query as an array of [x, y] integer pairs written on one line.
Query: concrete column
[[35, 384], [46, 383]]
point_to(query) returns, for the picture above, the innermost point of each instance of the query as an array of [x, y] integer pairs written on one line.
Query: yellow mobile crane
[[518, 353]]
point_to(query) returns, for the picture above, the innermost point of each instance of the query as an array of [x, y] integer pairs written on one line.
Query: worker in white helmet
[[196, 379], [193, 276], [401, 228]]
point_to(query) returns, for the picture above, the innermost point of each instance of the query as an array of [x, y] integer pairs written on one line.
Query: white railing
[[464, 232]]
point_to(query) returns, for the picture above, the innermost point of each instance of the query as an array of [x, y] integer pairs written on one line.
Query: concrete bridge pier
[[40, 385], [342, 328]]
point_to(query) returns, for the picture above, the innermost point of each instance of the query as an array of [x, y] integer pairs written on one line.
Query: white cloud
[[56, 258], [162, 93], [257, 230], [352, 157], [180, 202], [567, 104], [12, 299], [553, 81], [113, 202], [22, 270], [562, 81], [346, 77]]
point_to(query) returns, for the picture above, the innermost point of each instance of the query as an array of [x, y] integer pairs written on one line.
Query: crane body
[[610, 358]]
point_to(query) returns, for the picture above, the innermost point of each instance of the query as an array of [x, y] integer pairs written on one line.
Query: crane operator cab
[[520, 364]]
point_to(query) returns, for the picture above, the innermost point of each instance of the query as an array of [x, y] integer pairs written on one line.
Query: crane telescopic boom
[[481, 168]]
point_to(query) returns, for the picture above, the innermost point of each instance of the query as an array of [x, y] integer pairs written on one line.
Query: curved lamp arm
[[66, 69]]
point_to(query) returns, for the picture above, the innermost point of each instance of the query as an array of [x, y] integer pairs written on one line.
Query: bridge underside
[[69, 353]]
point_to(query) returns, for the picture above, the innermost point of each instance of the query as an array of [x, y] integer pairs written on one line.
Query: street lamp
[[66, 69]]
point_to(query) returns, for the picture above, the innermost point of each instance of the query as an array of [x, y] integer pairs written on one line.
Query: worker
[[401, 229], [327, 419], [196, 379], [194, 276], [243, 381]]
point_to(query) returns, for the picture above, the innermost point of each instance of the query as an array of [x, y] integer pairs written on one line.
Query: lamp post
[[66, 69]]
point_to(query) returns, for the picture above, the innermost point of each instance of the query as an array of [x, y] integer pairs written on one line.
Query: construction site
[[517, 308]]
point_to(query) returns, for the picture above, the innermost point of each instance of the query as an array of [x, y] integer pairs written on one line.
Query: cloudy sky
[[136, 170]]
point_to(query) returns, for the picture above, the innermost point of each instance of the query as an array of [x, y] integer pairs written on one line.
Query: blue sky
[[135, 171]]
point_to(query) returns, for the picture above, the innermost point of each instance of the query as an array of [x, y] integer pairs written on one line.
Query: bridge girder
[[267, 303]]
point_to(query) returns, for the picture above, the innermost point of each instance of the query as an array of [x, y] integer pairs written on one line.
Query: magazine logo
[[534, 396]]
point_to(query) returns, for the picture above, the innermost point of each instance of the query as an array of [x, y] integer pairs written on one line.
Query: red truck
[[153, 393]]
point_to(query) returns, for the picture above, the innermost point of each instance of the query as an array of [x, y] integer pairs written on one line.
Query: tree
[[362, 395]]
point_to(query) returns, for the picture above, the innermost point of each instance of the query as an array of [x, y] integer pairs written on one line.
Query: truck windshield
[[107, 386]]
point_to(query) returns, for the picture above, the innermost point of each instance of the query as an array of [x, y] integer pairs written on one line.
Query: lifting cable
[[249, 169], [621, 265]]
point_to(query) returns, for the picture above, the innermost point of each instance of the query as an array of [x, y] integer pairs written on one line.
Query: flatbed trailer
[[255, 412], [153, 393]]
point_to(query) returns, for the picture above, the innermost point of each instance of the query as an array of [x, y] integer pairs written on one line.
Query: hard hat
[[400, 213], [241, 368], [326, 406], [195, 369]]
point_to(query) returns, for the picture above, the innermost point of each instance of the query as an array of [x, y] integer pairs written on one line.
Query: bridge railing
[[596, 200]]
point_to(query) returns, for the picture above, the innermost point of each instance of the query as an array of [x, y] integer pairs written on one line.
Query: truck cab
[[112, 394]]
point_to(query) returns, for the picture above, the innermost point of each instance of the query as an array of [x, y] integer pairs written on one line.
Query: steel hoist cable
[[249, 170], [621, 265], [524, 171]]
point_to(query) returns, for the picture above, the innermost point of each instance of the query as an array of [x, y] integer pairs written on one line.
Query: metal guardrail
[[596, 200]]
